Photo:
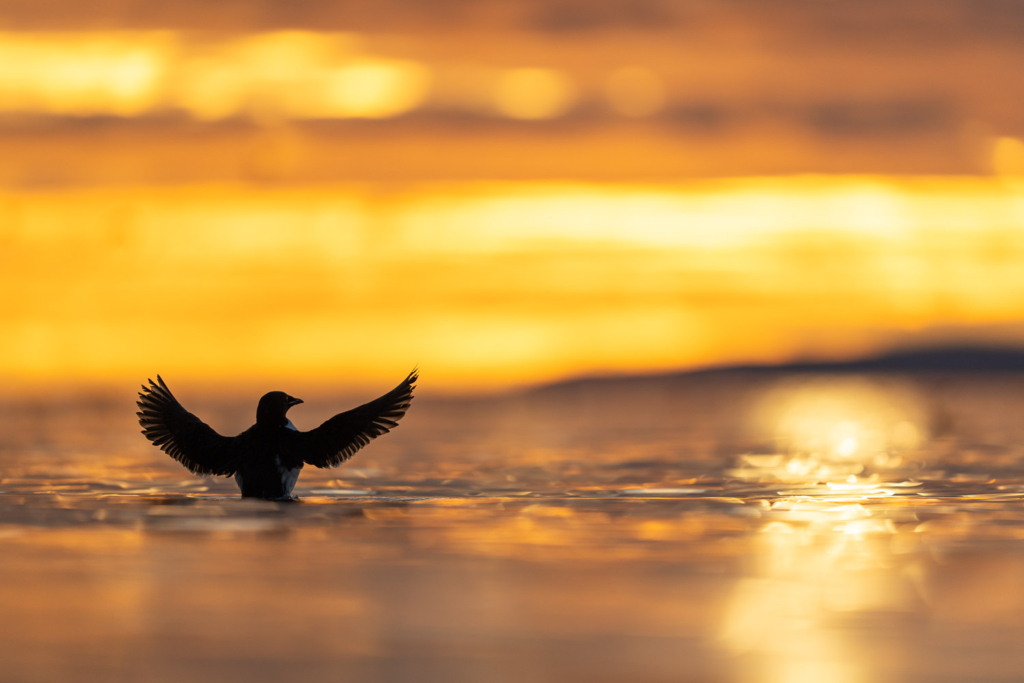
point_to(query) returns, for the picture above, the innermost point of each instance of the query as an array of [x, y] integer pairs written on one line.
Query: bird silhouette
[[266, 459]]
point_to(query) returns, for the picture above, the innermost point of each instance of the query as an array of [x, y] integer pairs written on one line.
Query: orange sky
[[505, 199], [497, 283]]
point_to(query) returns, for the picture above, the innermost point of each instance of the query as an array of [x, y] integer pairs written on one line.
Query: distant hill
[[938, 359], [941, 359]]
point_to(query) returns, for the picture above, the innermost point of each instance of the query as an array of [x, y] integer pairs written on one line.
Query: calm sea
[[738, 528]]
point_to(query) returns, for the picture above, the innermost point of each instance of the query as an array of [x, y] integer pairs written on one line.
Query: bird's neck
[[268, 419]]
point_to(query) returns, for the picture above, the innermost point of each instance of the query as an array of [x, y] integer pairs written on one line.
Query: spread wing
[[182, 435], [337, 439]]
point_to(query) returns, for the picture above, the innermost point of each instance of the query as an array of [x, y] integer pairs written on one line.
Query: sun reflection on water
[[567, 527], [840, 547], [815, 569], [834, 430]]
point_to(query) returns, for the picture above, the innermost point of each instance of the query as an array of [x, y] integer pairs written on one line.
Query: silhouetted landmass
[[948, 359], [943, 359]]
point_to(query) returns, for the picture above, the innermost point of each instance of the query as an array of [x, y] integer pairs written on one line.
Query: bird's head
[[273, 408]]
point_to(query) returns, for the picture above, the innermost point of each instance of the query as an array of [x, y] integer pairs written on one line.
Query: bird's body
[[266, 459], [266, 471]]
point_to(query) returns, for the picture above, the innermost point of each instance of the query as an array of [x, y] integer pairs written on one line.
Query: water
[[724, 528]]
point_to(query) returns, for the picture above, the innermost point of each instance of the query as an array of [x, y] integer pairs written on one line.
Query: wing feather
[[182, 435], [338, 439]]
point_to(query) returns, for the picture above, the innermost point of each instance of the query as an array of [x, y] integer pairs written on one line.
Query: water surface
[[727, 528]]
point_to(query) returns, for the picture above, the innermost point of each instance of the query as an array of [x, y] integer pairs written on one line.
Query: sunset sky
[[502, 192]]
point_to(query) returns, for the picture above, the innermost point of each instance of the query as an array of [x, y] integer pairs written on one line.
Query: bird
[[265, 460]]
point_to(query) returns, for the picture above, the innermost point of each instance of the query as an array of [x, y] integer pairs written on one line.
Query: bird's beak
[[294, 402]]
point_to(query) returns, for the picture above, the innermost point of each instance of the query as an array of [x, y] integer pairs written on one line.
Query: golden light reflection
[[815, 569], [836, 430]]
